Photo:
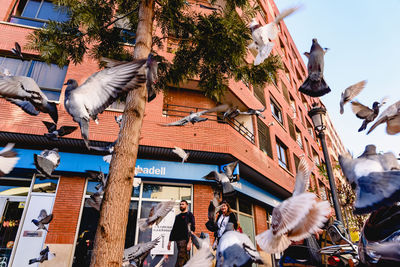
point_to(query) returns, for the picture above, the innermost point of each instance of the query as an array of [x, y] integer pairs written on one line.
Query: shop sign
[[162, 230]]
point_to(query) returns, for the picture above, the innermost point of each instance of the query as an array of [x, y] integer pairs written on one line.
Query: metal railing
[[171, 110]]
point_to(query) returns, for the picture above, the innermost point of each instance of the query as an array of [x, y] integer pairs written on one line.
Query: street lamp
[[317, 115]]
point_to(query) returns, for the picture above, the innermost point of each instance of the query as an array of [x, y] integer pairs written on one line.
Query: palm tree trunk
[[110, 235]]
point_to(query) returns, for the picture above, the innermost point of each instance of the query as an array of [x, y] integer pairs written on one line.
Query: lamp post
[[317, 115]]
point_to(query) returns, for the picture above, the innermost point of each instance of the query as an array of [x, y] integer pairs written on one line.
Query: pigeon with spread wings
[[8, 159], [157, 213], [181, 153], [53, 133], [42, 220], [136, 254], [25, 93], [351, 92], [17, 51], [263, 36], [202, 258], [47, 161], [45, 255], [297, 217], [194, 117], [100, 90], [257, 112], [391, 116], [224, 179], [365, 113], [376, 179]]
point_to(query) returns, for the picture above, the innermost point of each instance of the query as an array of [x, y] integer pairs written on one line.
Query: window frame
[[281, 147], [264, 138], [275, 106]]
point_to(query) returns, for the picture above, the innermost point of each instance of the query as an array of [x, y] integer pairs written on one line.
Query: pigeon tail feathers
[[271, 243], [84, 125], [314, 87], [285, 13]]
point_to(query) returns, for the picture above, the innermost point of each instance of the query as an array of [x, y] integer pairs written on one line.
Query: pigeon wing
[[180, 152], [389, 113], [43, 165], [230, 168], [291, 212], [51, 127], [350, 93], [8, 159], [213, 176], [347, 165], [376, 190], [42, 214], [302, 177], [47, 219], [220, 108], [161, 210], [211, 211], [11, 86], [65, 130], [203, 258], [387, 250], [140, 249], [25, 106], [196, 241], [360, 110], [102, 88], [181, 122]]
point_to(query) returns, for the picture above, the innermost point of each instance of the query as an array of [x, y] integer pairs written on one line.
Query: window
[[310, 129], [315, 157], [50, 78], [301, 116], [291, 127], [293, 106], [264, 138], [298, 138], [144, 197], [36, 13], [244, 215], [276, 111], [296, 161], [307, 150], [282, 154], [259, 93], [285, 92]]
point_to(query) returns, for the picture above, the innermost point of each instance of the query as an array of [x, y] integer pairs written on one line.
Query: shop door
[[11, 209]]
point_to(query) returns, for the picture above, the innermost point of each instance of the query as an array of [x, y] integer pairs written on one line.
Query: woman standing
[[225, 216]]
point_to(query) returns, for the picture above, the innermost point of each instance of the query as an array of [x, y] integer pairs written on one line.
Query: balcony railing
[[172, 110]]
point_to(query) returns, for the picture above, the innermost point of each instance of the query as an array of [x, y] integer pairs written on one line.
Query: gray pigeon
[[296, 218], [388, 160], [25, 93], [45, 255], [350, 93], [224, 179], [17, 51], [376, 184], [231, 113], [118, 119], [236, 249], [365, 113], [98, 176], [157, 213], [95, 201], [42, 220], [257, 112], [99, 91], [47, 161], [387, 250], [202, 258], [136, 254], [53, 133], [8, 159], [181, 153], [315, 85], [202, 241], [194, 117], [391, 116], [109, 148]]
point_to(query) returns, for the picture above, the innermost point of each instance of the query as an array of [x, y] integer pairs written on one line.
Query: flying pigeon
[[236, 249], [224, 179], [194, 117], [25, 93], [95, 201], [388, 160], [42, 220], [213, 208], [8, 159], [315, 85], [375, 185], [202, 241], [118, 119], [202, 258], [157, 213], [17, 51], [257, 112], [263, 36], [151, 71], [109, 148], [45, 255], [296, 218], [391, 116], [99, 91], [181, 153], [98, 176], [231, 113], [350, 93], [386, 250], [47, 161], [53, 133], [365, 113], [136, 254]]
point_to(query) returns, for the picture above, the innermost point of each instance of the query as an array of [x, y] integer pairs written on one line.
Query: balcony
[[171, 110]]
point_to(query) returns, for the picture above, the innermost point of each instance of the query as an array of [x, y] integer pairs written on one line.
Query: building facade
[[268, 150]]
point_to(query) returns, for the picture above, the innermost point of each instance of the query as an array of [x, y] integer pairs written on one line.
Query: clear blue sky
[[364, 41]]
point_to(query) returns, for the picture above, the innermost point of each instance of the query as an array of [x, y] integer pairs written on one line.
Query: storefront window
[[45, 185], [141, 204]]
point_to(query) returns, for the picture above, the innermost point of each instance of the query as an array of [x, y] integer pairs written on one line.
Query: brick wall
[[66, 211], [202, 194]]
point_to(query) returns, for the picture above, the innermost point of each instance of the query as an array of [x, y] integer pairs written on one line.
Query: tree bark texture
[[111, 231]]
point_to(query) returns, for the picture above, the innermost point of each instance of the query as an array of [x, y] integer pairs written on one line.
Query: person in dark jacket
[[225, 216], [181, 235]]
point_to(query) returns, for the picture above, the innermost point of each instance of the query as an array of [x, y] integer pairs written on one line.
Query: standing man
[[181, 235]]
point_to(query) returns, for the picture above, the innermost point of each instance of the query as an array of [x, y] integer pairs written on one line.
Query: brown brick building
[[268, 149]]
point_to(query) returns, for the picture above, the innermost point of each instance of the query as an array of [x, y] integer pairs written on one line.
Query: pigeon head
[[375, 105], [369, 150], [314, 41]]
